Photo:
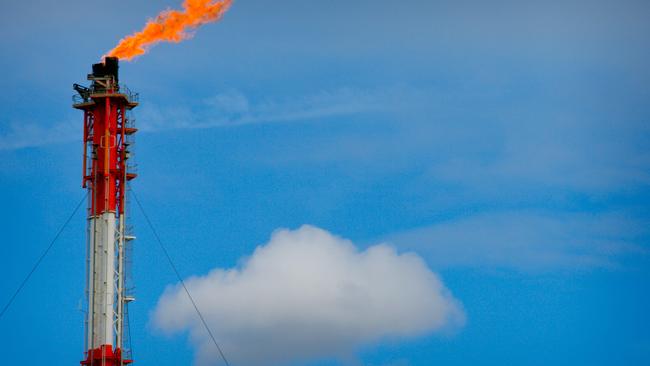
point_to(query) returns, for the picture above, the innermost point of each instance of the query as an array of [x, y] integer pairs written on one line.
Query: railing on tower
[[86, 96]]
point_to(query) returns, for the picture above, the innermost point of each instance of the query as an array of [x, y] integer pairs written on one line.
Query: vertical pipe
[[122, 233], [85, 153], [107, 152], [120, 289]]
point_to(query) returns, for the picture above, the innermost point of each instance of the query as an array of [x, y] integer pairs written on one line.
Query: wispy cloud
[[529, 241], [33, 135], [231, 108]]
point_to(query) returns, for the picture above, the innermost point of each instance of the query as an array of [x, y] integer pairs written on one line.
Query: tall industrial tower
[[107, 137]]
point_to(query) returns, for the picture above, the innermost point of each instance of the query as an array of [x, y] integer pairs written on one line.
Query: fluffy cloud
[[309, 294]]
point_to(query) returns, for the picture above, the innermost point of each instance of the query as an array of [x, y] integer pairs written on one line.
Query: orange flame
[[170, 26]]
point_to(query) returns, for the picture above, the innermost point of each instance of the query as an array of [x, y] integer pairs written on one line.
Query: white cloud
[[309, 294]]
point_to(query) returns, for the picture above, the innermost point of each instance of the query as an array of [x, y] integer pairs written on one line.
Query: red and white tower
[[107, 137]]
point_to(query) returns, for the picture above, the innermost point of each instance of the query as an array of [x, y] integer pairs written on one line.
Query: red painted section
[[105, 134], [105, 356]]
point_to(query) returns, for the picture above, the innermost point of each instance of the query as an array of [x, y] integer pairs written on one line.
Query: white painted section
[[101, 280]]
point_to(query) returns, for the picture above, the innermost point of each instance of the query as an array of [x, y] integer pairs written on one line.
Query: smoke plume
[[308, 294], [170, 26]]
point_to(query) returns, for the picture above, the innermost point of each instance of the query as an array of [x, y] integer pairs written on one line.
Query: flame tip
[[169, 26]]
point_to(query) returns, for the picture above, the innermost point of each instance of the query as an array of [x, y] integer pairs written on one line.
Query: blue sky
[[506, 143]]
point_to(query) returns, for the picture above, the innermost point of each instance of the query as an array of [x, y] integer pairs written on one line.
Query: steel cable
[[40, 259], [180, 279]]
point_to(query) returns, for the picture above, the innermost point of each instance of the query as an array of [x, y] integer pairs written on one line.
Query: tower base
[[105, 356]]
